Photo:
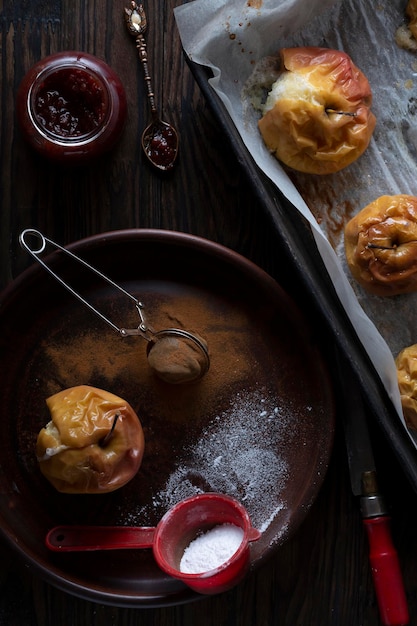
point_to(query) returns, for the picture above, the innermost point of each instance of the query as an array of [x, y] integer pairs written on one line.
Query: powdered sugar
[[241, 452], [238, 454], [211, 549]]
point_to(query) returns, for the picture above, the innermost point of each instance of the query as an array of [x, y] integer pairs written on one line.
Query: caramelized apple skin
[[381, 245], [411, 13], [317, 116], [79, 451], [406, 363]]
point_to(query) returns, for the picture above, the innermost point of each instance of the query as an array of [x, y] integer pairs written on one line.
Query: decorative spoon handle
[[136, 22]]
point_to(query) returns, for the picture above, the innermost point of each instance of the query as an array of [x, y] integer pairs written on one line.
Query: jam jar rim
[[80, 140]]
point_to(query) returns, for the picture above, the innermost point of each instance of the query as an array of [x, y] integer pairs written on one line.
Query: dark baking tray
[[313, 287]]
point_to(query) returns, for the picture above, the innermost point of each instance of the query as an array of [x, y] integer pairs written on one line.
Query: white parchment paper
[[232, 36]]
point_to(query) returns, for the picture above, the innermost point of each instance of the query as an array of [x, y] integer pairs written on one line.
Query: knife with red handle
[[385, 566]]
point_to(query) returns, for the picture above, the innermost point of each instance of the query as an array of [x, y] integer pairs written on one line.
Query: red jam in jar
[[71, 107]]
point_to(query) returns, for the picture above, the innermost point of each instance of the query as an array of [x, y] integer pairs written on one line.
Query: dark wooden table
[[321, 576]]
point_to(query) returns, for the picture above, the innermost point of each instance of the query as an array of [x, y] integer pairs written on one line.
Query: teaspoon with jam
[[159, 139]]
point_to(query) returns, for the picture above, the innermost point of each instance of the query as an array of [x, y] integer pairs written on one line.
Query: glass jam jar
[[71, 107]]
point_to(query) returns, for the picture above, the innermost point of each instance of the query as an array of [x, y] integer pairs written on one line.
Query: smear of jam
[[161, 147], [70, 103]]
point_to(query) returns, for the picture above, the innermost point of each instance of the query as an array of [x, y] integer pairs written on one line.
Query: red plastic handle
[[386, 573], [88, 538]]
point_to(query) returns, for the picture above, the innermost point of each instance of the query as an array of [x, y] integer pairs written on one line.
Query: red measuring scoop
[[169, 539]]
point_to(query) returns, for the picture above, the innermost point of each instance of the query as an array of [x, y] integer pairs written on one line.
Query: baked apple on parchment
[[317, 117], [406, 35], [381, 245]]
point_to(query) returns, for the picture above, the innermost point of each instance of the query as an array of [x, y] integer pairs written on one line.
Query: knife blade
[[385, 566]]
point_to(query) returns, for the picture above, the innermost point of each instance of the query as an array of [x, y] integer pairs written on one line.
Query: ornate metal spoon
[[159, 139]]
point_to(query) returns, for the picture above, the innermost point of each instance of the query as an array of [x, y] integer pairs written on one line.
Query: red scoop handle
[[388, 582], [88, 538]]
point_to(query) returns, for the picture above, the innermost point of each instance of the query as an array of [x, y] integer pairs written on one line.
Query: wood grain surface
[[321, 576]]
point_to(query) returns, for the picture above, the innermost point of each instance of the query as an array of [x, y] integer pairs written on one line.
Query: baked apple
[[317, 117], [406, 35], [411, 13], [381, 245], [406, 363], [94, 442]]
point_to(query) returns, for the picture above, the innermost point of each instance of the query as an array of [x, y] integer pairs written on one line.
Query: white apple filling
[[49, 452], [292, 86]]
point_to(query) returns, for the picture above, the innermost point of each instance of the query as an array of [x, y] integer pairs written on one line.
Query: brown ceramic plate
[[258, 427]]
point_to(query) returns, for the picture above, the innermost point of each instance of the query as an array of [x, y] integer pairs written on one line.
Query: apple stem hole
[[109, 435], [335, 112], [375, 247]]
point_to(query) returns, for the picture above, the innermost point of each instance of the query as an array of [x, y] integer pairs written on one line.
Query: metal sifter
[[174, 354]]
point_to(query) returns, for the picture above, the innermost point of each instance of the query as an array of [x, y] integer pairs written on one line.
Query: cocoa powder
[[93, 353]]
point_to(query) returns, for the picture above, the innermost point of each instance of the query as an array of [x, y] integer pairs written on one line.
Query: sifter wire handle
[[142, 328]]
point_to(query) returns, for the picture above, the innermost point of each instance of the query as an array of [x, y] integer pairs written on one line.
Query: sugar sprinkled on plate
[[239, 453]]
